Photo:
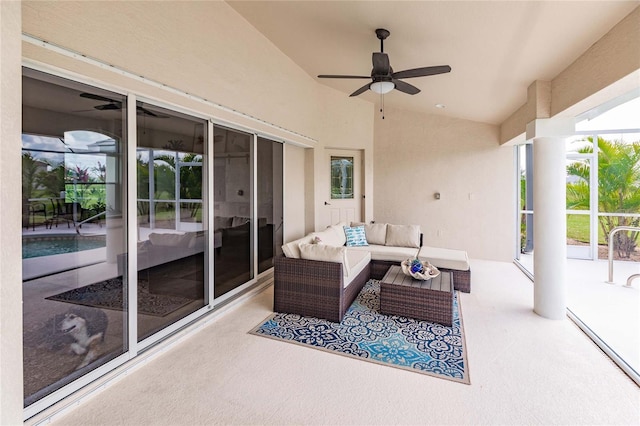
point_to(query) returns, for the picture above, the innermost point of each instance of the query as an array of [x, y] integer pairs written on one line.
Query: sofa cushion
[[171, 239], [445, 258], [376, 233], [325, 253], [239, 221], [221, 222], [338, 228], [357, 261], [392, 254], [355, 236], [330, 237], [292, 250], [403, 235]]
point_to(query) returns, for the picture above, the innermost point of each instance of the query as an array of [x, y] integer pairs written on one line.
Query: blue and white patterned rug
[[366, 334]]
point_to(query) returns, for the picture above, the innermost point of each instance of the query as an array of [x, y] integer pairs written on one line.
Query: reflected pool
[[41, 245]]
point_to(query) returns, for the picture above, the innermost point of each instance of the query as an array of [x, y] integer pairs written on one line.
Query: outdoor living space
[[161, 161], [515, 356]]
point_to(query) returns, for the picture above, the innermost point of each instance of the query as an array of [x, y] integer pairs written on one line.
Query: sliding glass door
[[172, 212], [80, 320], [74, 231]]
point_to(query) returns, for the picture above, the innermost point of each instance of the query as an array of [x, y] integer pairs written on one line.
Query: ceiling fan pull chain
[[382, 104]]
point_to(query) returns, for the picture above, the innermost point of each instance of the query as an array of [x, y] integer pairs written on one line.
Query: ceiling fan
[[384, 79], [113, 104]]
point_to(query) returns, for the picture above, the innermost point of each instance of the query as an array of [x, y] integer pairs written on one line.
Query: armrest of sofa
[[308, 287]]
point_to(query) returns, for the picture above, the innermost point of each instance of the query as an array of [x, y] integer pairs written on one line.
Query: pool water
[[59, 244]]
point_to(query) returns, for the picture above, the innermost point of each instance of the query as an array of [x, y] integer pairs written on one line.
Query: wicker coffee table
[[430, 300]]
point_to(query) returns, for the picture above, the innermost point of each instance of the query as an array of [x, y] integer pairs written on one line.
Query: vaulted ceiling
[[496, 49]]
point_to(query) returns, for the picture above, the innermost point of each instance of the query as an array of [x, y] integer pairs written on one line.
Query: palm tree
[[618, 188]]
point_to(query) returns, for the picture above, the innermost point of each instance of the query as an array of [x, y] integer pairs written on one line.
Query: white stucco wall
[[419, 154], [10, 219]]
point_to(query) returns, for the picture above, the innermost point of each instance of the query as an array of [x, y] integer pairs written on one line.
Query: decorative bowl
[[419, 270]]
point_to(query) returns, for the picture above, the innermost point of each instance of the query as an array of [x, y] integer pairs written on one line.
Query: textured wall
[[419, 154], [610, 59], [10, 220], [609, 68]]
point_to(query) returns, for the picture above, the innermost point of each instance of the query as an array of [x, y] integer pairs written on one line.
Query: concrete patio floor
[[610, 311]]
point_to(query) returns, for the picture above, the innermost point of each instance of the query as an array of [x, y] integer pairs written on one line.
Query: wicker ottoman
[[430, 300]]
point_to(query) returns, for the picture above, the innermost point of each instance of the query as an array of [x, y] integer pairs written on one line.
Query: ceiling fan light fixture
[[382, 87]]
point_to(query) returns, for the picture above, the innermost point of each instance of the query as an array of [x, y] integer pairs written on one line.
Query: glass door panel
[[172, 273], [269, 195], [233, 172], [74, 232]]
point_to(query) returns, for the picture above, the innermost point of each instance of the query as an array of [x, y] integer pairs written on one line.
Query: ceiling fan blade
[[344, 76], [422, 72], [361, 90], [112, 105], [405, 87], [97, 97], [380, 64], [144, 111]]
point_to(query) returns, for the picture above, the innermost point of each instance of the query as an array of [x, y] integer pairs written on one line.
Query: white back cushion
[[325, 253], [171, 239], [376, 233], [403, 235], [292, 250]]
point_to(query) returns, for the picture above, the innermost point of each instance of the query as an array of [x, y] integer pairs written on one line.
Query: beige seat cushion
[[445, 258], [357, 261], [392, 254]]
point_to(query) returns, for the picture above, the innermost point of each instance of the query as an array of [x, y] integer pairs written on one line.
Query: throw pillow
[[355, 236]]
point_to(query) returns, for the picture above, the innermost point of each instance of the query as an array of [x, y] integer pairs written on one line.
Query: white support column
[[550, 224]]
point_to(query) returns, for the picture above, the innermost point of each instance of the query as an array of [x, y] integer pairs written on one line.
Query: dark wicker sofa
[[316, 288]]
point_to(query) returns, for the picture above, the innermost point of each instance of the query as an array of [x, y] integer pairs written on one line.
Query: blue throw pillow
[[355, 236]]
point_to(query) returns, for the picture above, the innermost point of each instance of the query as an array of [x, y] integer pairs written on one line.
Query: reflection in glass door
[[233, 169], [171, 228], [73, 234], [269, 196]]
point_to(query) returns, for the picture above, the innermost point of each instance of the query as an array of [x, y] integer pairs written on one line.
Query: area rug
[[366, 334], [109, 295]]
